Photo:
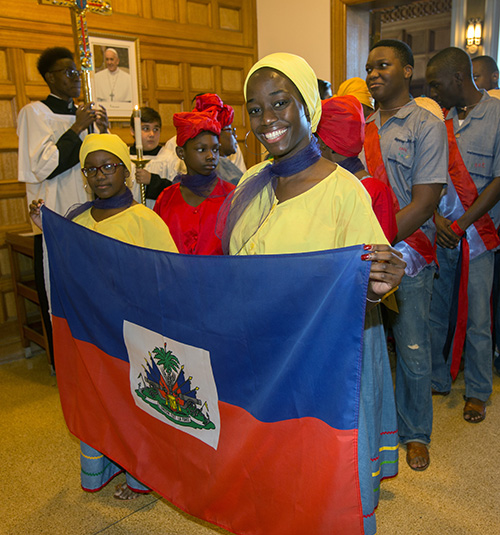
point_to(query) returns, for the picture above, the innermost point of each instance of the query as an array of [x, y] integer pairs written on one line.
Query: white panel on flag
[[173, 382]]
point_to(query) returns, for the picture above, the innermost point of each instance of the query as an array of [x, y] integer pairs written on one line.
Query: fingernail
[[367, 247], [365, 257]]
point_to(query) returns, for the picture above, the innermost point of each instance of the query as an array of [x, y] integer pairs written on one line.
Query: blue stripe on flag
[[286, 326]]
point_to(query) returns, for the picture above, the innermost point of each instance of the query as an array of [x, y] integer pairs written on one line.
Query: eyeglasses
[[230, 129], [72, 74], [106, 169]]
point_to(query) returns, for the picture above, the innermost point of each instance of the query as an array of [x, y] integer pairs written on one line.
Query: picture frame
[[115, 78]]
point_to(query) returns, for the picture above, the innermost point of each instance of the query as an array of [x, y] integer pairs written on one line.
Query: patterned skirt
[[97, 471], [378, 440]]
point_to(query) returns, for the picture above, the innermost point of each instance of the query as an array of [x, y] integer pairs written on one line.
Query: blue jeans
[[413, 348], [496, 309], [477, 364]]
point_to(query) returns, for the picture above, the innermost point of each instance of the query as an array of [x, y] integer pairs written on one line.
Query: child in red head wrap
[[228, 169], [190, 206], [225, 113], [341, 133]]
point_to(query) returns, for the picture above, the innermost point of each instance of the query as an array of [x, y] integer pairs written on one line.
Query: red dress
[[193, 227], [382, 205]]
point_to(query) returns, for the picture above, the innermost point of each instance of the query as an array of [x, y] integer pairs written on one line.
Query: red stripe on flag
[[295, 477]]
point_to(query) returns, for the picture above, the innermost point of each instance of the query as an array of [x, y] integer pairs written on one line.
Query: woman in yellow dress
[[300, 202]]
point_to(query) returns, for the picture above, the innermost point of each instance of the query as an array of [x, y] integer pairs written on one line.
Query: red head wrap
[[342, 125], [190, 123], [225, 113]]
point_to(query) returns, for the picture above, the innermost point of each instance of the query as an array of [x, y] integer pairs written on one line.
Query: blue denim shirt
[[478, 139], [414, 148]]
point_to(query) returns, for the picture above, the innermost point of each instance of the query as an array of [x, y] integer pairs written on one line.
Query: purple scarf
[[352, 164], [264, 182], [117, 201], [199, 184]]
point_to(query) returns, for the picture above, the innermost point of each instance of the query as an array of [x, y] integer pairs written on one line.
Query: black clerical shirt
[[69, 143]]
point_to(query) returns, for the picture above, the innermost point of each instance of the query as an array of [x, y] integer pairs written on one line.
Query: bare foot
[[123, 492], [417, 456]]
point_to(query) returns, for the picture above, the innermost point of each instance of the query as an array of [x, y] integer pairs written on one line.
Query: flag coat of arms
[[229, 385]]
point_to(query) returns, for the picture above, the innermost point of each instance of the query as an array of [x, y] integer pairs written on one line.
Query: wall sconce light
[[474, 35]]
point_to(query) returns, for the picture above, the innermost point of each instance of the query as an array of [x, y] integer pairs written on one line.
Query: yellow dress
[[137, 225], [334, 213]]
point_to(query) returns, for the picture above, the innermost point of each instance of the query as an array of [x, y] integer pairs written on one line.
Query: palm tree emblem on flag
[[164, 386], [173, 382]]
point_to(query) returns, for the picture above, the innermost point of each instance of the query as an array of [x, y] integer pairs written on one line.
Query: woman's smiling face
[[278, 115]]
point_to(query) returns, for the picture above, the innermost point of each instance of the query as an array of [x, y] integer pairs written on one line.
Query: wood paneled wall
[[186, 47]]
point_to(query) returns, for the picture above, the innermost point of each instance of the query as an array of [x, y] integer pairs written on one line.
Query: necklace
[[465, 109], [393, 109], [112, 85]]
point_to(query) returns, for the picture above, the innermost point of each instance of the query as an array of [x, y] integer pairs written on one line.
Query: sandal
[[123, 492], [474, 410], [416, 451]]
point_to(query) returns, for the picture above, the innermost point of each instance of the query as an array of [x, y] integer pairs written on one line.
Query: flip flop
[[474, 408], [415, 450]]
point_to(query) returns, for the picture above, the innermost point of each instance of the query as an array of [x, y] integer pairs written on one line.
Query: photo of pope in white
[[113, 82], [115, 78]]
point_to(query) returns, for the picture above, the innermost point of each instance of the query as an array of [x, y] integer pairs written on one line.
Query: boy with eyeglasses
[[50, 135]]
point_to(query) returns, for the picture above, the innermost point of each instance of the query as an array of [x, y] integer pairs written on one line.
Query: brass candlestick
[[140, 163]]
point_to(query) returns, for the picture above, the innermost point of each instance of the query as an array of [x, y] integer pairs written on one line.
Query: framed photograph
[[116, 81]]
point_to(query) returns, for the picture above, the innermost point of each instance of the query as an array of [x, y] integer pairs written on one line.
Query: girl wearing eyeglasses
[[106, 167]]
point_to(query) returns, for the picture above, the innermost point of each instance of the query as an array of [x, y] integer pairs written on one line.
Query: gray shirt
[[414, 149], [478, 139]]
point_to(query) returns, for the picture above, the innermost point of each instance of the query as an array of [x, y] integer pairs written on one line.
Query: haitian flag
[[229, 385]]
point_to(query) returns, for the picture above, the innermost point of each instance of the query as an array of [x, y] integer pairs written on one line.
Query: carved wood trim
[[414, 10]]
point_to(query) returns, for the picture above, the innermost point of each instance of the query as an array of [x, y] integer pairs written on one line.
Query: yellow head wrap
[[300, 73], [357, 88], [110, 143]]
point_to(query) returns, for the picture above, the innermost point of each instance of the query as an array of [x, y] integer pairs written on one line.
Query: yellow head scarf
[[110, 143], [357, 88], [301, 75]]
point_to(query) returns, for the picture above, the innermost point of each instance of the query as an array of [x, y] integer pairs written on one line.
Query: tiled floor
[[39, 474]]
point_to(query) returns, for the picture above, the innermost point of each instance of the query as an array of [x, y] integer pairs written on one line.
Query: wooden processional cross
[[79, 9]]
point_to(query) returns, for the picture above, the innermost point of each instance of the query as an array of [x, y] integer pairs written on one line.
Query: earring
[[249, 149]]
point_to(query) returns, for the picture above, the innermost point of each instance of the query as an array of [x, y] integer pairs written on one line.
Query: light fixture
[[477, 33], [474, 35]]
